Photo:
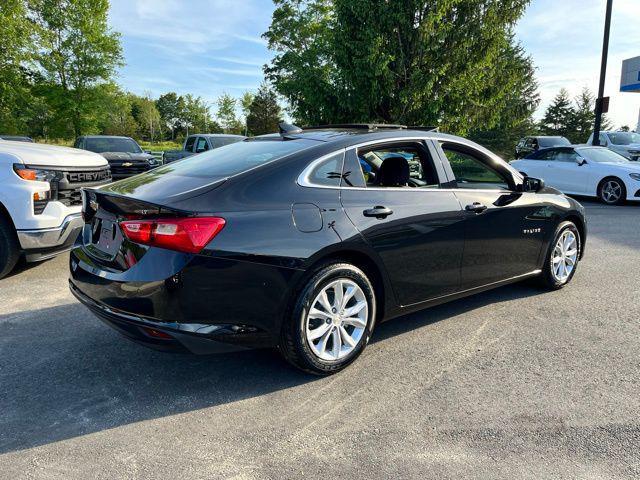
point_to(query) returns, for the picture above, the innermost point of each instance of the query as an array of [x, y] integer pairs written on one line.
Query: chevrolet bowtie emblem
[[127, 164]]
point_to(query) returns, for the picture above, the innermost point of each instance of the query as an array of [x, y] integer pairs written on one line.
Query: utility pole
[[603, 74]]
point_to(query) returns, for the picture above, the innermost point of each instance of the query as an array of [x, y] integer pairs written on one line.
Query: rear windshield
[[553, 142], [103, 145], [235, 158]]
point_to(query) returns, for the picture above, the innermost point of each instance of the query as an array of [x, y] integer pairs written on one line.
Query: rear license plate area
[[105, 236]]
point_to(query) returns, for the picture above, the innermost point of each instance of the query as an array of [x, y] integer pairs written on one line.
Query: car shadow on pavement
[[445, 311], [64, 374]]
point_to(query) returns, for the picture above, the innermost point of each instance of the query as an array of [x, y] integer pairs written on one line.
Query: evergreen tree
[[419, 62], [264, 112], [559, 116]]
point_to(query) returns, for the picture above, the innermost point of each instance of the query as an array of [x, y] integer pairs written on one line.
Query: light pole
[[603, 73]]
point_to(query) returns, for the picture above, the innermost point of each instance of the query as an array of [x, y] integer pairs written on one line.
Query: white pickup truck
[[40, 200]]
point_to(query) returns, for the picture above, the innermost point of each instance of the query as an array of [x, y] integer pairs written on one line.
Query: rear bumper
[[43, 243], [195, 338]]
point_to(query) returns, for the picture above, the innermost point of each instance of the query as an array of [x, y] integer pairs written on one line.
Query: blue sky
[[207, 47]]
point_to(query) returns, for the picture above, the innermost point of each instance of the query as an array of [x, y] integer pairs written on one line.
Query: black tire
[[547, 278], [9, 251], [601, 191], [293, 342]]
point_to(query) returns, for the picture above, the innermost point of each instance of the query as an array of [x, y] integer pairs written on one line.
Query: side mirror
[[200, 150], [531, 184], [148, 152], [581, 161]]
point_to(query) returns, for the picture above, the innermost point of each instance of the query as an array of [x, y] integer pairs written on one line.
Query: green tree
[[519, 97], [572, 119], [198, 115], [17, 43], [227, 114], [560, 115], [583, 116], [77, 52], [172, 110], [418, 62], [117, 112], [148, 118], [245, 105], [264, 112]]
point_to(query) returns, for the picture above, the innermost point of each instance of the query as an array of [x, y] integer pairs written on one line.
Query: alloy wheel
[[565, 256], [611, 191], [337, 320]]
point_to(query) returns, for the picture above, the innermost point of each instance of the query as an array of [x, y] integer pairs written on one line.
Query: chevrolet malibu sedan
[[585, 170], [306, 240]]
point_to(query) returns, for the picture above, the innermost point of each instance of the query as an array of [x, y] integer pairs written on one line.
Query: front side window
[[472, 173], [397, 165]]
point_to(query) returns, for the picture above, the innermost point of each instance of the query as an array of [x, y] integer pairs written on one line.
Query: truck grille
[[121, 171], [70, 198], [66, 189]]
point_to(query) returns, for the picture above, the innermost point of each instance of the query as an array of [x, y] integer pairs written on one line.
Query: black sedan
[[305, 240]]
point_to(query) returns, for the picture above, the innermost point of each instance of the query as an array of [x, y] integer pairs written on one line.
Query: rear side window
[[201, 144], [327, 173], [189, 145], [234, 158]]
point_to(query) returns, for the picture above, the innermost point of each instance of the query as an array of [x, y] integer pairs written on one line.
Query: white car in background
[[585, 170], [626, 144]]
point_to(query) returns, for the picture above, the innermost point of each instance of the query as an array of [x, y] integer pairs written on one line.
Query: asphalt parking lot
[[514, 383]]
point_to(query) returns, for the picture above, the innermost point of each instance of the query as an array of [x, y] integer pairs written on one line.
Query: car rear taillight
[[189, 235]]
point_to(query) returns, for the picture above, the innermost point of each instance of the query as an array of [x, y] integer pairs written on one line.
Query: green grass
[[160, 146]]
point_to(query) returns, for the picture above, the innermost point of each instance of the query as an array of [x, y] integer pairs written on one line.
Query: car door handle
[[379, 212], [476, 207]]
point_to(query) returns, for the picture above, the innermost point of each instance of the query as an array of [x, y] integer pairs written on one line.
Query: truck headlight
[[36, 174], [635, 176]]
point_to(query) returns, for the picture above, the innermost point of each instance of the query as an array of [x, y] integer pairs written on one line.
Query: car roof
[[358, 135], [106, 136], [217, 135]]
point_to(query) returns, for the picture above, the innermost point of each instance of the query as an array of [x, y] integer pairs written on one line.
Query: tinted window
[[568, 156], [328, 172], [471, 172], [189, 145], [222, 141], [235, 158], [201, 144], [624, 138], [106, 144], [546, 155], [553, 142]]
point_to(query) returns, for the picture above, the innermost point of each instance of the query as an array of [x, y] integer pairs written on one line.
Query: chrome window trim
[[303, 178]]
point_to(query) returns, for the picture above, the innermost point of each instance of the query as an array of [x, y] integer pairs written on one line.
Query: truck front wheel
[[9, 252]]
